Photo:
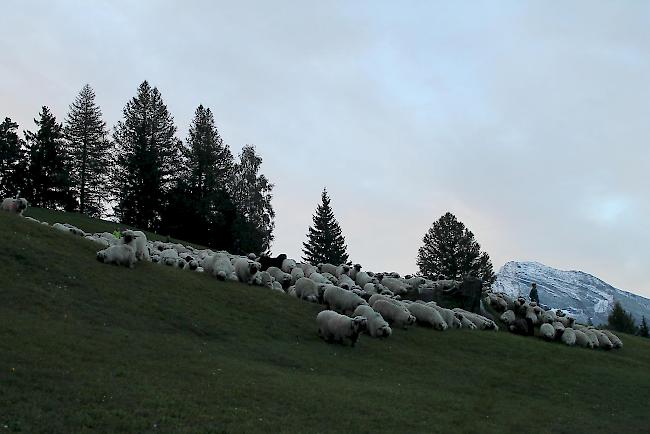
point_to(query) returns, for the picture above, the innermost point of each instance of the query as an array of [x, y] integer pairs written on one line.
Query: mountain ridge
[[584, 295]]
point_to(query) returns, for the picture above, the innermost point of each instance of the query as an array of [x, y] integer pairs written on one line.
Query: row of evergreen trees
[[450, 250], [622, 321], [195, 190]]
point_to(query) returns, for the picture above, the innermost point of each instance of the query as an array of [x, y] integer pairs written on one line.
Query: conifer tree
[[450, 252], [148, 159], [325, 241], [201, 208], [13, 163], [48, 170], [620, 320], [643, 329], [251, 193], [89, 151]]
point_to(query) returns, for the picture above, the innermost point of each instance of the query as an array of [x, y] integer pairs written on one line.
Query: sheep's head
[[357, 267], [22, 203], [252, 268], [101, 256], [385, 331], [411, 320], [359, 324]]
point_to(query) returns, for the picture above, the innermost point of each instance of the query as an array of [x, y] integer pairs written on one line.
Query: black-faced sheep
[[137, 240], [245, 269], [335, 327], [377, 327]]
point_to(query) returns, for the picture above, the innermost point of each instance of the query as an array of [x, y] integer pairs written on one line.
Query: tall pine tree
[[89, 150], [201, 208], [251, 193], [148, 159], [620, 320], [13, 162], [48, 170], [325, 241], [450, 252]]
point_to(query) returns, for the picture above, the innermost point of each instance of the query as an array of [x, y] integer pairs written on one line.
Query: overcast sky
[[530, 121]]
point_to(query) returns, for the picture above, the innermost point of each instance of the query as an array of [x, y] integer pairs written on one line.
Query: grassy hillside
[[86, 347]]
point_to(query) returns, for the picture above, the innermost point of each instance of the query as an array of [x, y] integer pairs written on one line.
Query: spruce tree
[[13, 163], [251, 193], [201, 208], [643, 329], [325, 241], [450, 252], [48, 170], [620, 320], [89, 150], [148, 159]]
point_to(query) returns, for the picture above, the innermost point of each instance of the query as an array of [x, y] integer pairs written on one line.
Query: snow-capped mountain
[[581, 294]]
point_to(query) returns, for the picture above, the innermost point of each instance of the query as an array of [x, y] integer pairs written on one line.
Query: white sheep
[[264, 279], [427, 315], [219, 266], [14, 205], [603, 340], [307, 269], [481, 322], [296, 273], [245, 269], [120, 254], [345, 281], [582, 339], [335, 327], [547, 331], [169, 257], [616, 342], [331, 278], [280, 276], [447, 314], [396, 285], [394, 314], [377, 327], [340, 299], [569, 337], [288, 265], [354, 271], [508, 317], [137, 240], [362, 279], [318, 278], [307, 289], [327, 268]]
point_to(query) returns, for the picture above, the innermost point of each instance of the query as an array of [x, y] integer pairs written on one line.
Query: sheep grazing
[[568, 337], [267, 261], [245, 270], [335, 327], [280, 276], [447, 314], [120, 254], [14, 205], [327, 268], [394, 314], [582, 339], [296, 273], [345, 281], [307, 289], [603, 340], [169, 257], [341, 300], [508, 317], [427, 315], [616, 342], [481, 322], [377, 327], [137, 240], [547, 331], [219, 266]]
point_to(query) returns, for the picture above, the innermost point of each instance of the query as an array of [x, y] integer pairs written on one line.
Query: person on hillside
[[533, 293]]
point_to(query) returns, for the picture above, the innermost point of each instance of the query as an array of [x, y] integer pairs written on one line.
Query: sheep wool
[[394, 314], [427, 315], [335, 327], [582, 339], [137, 240], [245, 269], [377, 327], [547, 331], [569, 337], [14, 205], [121, 254], [341, 300]]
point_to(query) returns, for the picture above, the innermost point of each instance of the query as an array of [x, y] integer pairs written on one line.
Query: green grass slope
[[86, 347]]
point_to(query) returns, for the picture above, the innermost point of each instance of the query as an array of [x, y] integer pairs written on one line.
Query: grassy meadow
[[86, 347]]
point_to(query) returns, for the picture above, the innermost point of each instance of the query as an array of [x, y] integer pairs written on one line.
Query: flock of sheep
[[356, 301], [521, 317]]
